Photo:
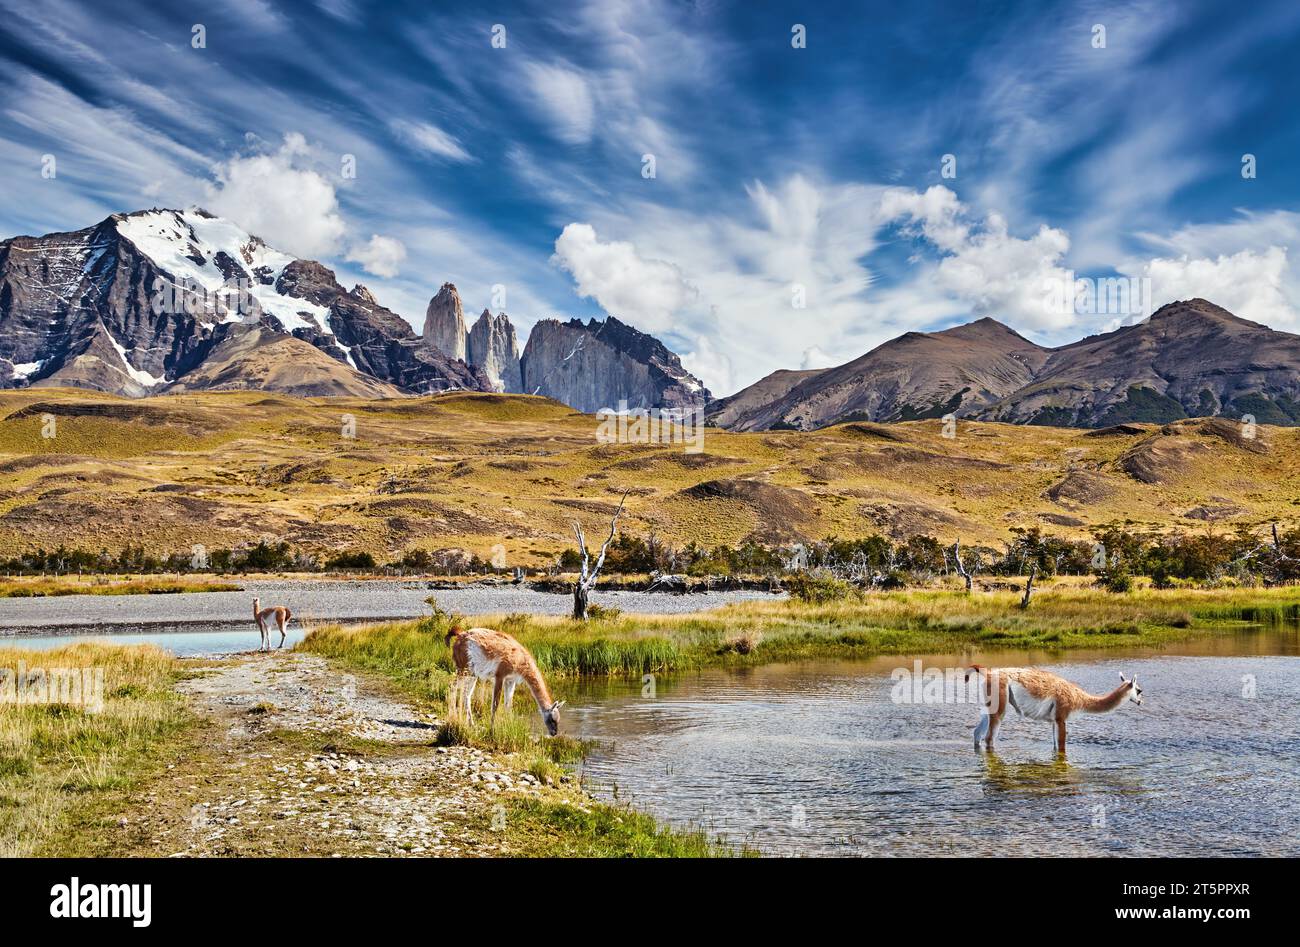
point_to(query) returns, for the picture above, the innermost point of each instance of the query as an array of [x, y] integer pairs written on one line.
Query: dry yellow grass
[[473, 471], [33, 586], [55, 756]]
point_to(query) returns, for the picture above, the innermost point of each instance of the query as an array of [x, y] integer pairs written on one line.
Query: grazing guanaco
[[280, 613], [481, 654], [1040, 695]]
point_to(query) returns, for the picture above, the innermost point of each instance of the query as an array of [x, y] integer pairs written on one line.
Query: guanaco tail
[[1040, 695], [280, 613], [481, 654]]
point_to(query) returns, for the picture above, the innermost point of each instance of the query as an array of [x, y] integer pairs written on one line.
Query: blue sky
[[781, 174]]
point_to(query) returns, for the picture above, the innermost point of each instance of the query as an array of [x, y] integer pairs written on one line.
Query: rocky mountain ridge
[[491, 345], [139, 301], [1191, 358], [165, 300], [162, 300]]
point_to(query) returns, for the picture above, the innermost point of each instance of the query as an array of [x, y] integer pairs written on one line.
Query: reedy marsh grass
[[1062, 616]]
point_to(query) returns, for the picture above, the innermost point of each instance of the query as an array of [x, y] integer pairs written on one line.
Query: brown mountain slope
[[917, 375], [1189, 359], [264, 360], [724, 412]]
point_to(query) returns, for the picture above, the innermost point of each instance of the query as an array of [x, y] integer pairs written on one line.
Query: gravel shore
[[315, 602]]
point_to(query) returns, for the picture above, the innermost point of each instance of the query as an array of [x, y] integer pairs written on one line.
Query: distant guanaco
[[481, 654], [1040, 695], [280, 613]]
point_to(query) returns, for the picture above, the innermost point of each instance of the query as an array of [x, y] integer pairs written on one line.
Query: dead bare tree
[[1029, 586], [961, 566], [1275, 545], [589, 571]]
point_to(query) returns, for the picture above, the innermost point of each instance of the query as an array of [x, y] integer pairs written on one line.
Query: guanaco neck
[[537, 686], [1107, 703]]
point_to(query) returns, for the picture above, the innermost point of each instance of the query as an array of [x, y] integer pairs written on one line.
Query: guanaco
[[280, 613], [1040, 695], [481, 654]]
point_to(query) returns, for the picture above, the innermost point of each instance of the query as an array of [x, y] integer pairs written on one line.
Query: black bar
[[300, 896]]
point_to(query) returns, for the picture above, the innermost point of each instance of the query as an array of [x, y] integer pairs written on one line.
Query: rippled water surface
[[817, 758]]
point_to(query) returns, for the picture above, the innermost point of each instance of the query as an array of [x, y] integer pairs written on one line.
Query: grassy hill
[[476, 470]]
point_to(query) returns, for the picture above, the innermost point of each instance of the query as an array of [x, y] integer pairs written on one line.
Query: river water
[[191, 623], [818, 759]]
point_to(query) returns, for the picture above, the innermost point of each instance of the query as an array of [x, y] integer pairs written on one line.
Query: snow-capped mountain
[[182, 300], [139, 301]]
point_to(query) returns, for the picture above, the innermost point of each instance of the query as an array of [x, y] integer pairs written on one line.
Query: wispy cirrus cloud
[[429, 139]]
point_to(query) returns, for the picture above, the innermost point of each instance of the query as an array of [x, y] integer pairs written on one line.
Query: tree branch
[[604, 547]]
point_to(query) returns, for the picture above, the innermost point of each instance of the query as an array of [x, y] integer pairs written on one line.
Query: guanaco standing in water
[[481, 654], [1040, 695], [281, 615]]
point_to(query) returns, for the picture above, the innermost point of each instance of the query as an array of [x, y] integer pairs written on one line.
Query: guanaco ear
[[1122, 678], [557, 705]]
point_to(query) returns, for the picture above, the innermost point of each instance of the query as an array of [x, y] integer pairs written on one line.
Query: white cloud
[[936, 211], [708, 364], [1241, 264], [429, 138], [1008, 278], [564, 97], [381, 256], [281, 199], [259, 13], [343, 10], [646, 292], [1247, 230], [813, 357], [748, 261], [984, 267], [1249, 283]]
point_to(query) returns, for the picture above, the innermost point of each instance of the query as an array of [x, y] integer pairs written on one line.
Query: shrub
[[351, 560], [821, 590], [1116, 579]]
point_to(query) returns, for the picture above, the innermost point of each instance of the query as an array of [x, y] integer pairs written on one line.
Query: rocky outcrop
[[444, 323], [139, 301], [493, 348], [374, 340], [602, 363]]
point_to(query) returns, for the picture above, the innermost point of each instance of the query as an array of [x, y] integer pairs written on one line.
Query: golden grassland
[[473, 471]]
